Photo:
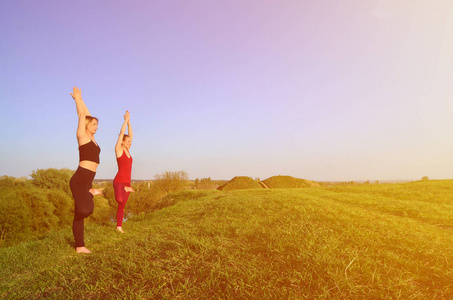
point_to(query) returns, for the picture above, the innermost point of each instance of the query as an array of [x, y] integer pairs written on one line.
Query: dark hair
[[125, 137]]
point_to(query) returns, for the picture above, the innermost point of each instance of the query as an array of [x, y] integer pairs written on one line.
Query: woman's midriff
[[86, 164]]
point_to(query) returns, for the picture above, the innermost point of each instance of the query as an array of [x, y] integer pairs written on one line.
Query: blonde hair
[[88, 119], [125, 137]]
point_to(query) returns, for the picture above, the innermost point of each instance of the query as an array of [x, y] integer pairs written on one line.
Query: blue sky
[[321, 90]]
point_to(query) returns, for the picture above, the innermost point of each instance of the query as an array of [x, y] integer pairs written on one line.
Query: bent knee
[[84, 212]]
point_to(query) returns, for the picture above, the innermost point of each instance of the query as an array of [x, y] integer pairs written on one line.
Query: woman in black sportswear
[[81, 182]]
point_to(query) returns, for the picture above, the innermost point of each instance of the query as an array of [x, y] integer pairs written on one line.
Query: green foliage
[[149, 197], [8, 184], [109, 192], [53, 179], [197, 183], [285, 182], [15, 219], [239, 183], [42, 211], [7, 181], [103, 212], [204, 184], [30, 208], [171, 182], [144, 200], [63, 206], [46, 203]]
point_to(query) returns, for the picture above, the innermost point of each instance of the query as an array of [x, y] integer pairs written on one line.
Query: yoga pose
[[122, 181], [81, 182]]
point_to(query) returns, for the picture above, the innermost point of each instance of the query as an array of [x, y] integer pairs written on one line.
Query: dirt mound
[[286, 182], [240, 183]]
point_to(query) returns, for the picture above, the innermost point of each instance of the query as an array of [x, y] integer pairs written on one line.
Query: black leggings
[[81, 183]]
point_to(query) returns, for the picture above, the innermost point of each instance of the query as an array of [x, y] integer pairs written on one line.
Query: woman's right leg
[[83, 204]]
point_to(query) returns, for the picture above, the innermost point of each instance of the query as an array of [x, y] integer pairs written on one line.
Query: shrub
[[204, 184], [53, 179], [42, 211], [102, 213], [171, 182], [15, 219], [6, 181], [64, 206], [144, 200]]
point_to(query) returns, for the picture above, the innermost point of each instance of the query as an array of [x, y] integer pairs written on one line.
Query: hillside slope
[[286, 182], [378, 241], [239, 183]]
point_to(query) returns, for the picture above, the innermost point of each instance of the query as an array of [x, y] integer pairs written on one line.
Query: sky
[[319, 90]]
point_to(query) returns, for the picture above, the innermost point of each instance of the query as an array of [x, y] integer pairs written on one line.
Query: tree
[[171, 182], [53, 179], [6, 181], [145, 200], [15, 218], [42, 211], [206, 183], [63, 206], [102, 212]]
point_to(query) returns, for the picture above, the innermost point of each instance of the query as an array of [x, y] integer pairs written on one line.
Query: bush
[[144, 200], [109, 192], [204, 184], [33, 207], [15, 219], [148, 198], [6, 181], [53, 179], [42, 211], [171, 182], [64, 206], [102, 213]]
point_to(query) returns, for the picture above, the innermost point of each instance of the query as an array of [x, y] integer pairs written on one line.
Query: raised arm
[[118, 148], [82, 110], [129, 127]]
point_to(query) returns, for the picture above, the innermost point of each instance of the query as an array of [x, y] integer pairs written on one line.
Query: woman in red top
[[122, 181]]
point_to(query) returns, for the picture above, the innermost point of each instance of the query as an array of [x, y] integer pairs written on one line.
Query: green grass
[[363, 241]]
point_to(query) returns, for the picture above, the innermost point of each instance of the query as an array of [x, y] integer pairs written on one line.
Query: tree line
[[30, 208]]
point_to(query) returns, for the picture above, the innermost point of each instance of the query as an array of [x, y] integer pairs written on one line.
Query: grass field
[[355, 242]]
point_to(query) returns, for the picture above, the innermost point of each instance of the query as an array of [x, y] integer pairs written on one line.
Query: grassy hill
[[361, 241], [286, 182], [239, 183]]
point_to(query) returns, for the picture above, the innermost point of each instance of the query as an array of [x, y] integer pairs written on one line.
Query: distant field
[[360, 241]]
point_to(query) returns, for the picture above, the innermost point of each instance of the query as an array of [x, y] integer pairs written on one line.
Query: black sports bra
[[89, 151]]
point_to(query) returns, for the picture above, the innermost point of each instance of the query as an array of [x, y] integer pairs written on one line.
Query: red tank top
[[124, 168]]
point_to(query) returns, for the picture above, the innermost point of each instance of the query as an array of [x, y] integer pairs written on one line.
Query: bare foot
[[120, 229], [129, 189], [82, 250], [95, 192]]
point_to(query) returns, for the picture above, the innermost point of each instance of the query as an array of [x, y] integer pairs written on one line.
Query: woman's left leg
[[121, 197]]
